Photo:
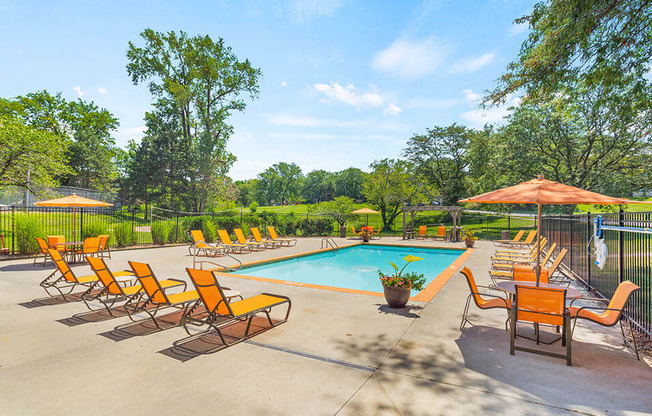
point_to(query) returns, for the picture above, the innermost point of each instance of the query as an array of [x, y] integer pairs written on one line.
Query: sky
[[344, 82]]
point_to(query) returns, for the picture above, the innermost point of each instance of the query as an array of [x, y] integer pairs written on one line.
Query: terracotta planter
[[396, 297], [365, 238], [469, 243]]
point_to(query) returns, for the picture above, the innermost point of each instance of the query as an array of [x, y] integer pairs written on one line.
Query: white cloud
[[102, 91], [472, 65], [410, 59], [481, 116], [79, 91], [349, 95], [284, 84], [304, 10], [392, 110]]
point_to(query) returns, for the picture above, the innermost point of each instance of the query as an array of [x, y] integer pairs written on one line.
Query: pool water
[[355, 267]]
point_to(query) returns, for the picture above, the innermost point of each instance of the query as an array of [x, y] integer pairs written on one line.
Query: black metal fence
[[629, 257]]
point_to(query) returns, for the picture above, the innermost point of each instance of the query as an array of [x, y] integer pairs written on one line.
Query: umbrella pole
[[538, 240], [74, 223]]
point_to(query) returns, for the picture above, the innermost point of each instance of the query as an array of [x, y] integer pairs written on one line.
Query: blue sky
[[344, 82]]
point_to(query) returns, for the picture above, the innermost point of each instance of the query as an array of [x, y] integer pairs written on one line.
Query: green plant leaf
[[394, 266]]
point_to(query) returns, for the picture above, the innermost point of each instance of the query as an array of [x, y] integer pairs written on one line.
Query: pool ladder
[[328, 241]]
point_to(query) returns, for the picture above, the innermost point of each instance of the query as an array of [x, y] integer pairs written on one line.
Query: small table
[[73, 245], [510, 287]]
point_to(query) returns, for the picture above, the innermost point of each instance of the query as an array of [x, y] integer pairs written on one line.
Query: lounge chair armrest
[[591, 299], [598, 308], [179, 281]]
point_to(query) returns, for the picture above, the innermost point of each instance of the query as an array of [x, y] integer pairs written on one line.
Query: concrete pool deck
[[339, 353]]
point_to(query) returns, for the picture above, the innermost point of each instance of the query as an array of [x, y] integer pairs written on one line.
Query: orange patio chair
[[421, 234], [57, 242], [43, 246], [508, 243], [230, 245], [157, 297], [90, 248], [259, 239], [527, 242], [199, 245], [220, 312], [287, 242], [64, 280], [104, 245], [540, 305], [253, 245], [496, 302], [441, 233], [610, 315]]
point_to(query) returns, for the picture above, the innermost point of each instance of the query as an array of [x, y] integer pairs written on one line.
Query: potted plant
[[469, 238], [397, 286], [365, 233]]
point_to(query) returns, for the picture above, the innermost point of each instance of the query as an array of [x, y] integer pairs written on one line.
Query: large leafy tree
[[440, 156], [392, 184], [318, 186], [29, 157], [349, 183], [280, 183], [603, 44], [91, 152], [205, 82], [338, 209]]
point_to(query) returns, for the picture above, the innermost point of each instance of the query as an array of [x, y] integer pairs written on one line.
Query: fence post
[[176, 231], [133, 227], [588, 253], [621, 246], [570, 243], [13, 229]]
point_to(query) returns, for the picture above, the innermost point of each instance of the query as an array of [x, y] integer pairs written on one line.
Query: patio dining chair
[[287, 242], [508, 243], [496, 302], [219, 312], [91, 247], [253, 245], [157, 298], [540, 305], [104, 245], [43, 247], [421, 234], [259, 239], [610, 315]]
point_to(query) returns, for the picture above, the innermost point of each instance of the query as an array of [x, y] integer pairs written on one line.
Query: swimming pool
[[354, 268]]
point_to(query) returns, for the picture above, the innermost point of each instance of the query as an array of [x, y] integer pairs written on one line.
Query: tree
[[246, 192], [349, 183], [279, 183], [29, 157], [440, 157], [391, 185], [603, 44], [338, 209], [91, 152], [203, 81], [318, 186]]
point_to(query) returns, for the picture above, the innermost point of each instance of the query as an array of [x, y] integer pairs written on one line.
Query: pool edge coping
[[425, 295]]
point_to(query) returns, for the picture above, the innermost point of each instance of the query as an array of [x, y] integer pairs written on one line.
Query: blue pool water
[[355, 267]]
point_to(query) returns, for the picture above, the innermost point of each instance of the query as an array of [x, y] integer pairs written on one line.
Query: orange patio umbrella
[[365, 210], [541, 191], [73, 201]]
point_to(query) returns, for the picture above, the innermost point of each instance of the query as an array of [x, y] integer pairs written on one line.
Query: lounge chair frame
[[508, 243], [114, 290], [478, 300], [199, 245], [66, 281], [284, 242], [253, 245], [255, 232]]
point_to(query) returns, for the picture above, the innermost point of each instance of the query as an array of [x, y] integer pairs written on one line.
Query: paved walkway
[[339, 354]]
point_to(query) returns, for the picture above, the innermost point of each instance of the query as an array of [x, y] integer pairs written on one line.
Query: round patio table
[[510, 287]]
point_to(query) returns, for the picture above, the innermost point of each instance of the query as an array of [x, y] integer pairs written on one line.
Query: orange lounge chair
[[441, 233], [230, 245], [287, 242], [104, 245], [531, 257], [199, 245], [220, 312], [421, 234], [611, 315], [520, 251], [550, 271], [157, 297], [540, 305], [524, 259], [253, 245], [64, 280], [259, 239], [508, 243], [525, 243], [493, 303]]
